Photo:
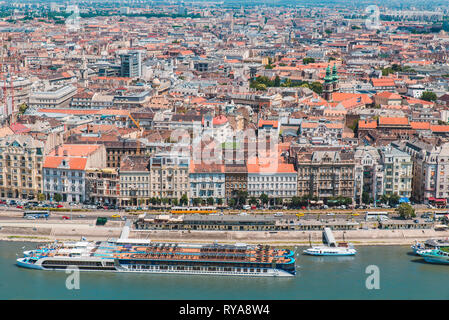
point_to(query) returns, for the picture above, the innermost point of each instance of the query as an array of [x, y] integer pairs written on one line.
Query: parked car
[[65, 218], [59, 206], [116, 216], [19, 207], [31, 217]]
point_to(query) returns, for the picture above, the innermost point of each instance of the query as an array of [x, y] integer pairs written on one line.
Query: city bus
[[37, 214], [193, 210]]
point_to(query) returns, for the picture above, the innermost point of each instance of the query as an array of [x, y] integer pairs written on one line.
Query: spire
[[334, 73], [328, 78]]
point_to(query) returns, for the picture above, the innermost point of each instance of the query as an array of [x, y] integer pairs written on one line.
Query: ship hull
[[436, 260], [329, 254], [269, 272]]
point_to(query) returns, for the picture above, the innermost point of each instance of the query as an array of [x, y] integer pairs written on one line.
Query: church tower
[[328, 86], [335, 78]]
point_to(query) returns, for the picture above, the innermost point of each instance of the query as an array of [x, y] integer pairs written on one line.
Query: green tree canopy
[[210, 201], [23, 108], [264, 198], [406, 211], [308, 60], [184, 200], [429, 96]]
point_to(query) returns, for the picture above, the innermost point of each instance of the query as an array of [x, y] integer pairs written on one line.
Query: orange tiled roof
[[75, 150], [439, 128], [364, 124], [393, 121], [420, 125], [74, 163]]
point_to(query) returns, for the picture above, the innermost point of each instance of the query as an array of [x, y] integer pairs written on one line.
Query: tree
[[406, 211], [196, 201], [393, 200], [184, 200], [232, 202], [220, 201], [308, 60], [40, 197], [174, 202], [296, 202], [428, 96], [57, 197], [366, 198], [277, 81], [23, 107], [264, 198], [241, 197], [210, 201], [253, 200], [317, 87]]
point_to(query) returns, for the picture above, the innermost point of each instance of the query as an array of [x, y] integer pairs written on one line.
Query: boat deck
[[164, 251]]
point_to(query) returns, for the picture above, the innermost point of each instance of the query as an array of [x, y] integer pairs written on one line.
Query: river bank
[[46, 231]]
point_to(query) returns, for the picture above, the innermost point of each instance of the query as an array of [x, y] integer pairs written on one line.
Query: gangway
[[328, 237], [125, 231]]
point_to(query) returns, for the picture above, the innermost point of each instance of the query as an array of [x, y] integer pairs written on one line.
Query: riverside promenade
[[42, 231]]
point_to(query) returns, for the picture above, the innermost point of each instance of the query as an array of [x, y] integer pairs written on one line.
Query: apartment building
[[368, 173], [398, 171], [325, 174], [21, 160], [54, 97], [207, 180], [276, 181], [65, 170], [134, 181], [169, 176], [103, 185], [430, 181], [236, 180]]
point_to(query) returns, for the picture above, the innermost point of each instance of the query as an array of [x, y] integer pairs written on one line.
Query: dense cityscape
[[274, 122]]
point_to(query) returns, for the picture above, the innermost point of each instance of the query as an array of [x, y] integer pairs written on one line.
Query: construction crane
[[139, 135]]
